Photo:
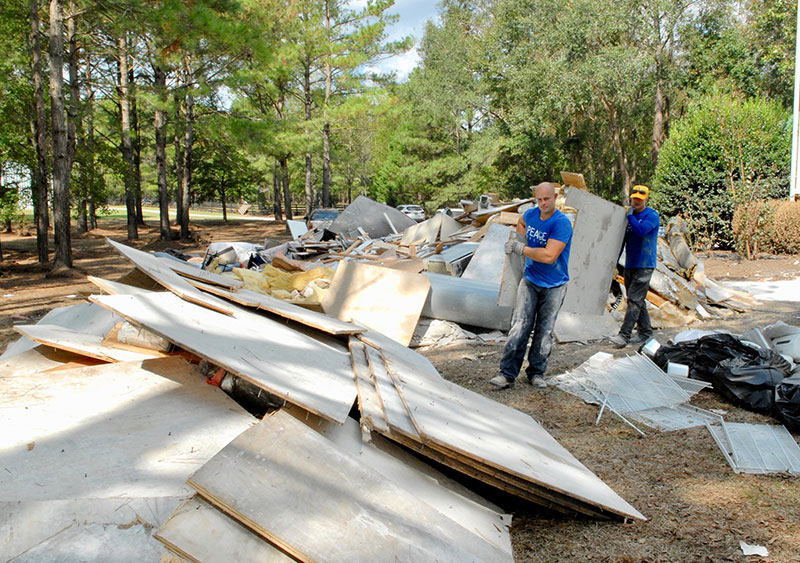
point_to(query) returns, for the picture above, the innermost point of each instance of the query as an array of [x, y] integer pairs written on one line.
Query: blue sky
[[413, 16]]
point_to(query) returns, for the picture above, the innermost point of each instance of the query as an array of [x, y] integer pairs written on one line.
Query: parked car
[[321, 218], [415, 212]]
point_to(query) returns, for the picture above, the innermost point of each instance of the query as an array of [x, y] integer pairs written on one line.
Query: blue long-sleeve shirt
[[641, 239]]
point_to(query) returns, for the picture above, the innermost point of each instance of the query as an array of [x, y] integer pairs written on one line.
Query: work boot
[[639, 338], [501, 382], [618, 341], [538, 381]]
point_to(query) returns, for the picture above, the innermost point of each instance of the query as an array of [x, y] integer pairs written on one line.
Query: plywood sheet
[[499, 436], [349, 510], [483, 216], [299, 368], [575, 327], [81, 343], [394, 410], [254, 299], [441, 493], [487, 262], [369, 403], [128, 430], [389, 301], [116, 288], [513, 269], [160, 270], [199, 532], [196, 273]]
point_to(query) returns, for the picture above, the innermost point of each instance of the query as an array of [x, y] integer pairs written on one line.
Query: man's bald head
[[545, 194]]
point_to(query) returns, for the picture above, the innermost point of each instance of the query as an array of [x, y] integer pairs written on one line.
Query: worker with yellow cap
[[641, 243]]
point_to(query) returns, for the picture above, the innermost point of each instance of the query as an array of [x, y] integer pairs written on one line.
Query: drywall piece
[[368, 215], [414, 360], [420, 479], [438, 227], [196, 273], [296, 228], [133, 429], [199, 532], [81, 343], [470, 302], [597, 237], [488, 261], [499, 436], [394, 409], [757, 448], [91, 530], [453, 260], [116, 288], [483, 216], [310, 372], [369, 403], [254, 299], [160, 269], [513, 269], [574, 327], [349, 509], [85, 317], [389, 301], [40, 358]]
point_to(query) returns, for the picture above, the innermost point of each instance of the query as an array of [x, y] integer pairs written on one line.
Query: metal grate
[[757, 448]]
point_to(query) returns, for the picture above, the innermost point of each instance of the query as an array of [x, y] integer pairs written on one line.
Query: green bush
[[722, 154]]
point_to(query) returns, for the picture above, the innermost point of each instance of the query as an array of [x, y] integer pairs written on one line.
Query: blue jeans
[[637, 282], [535, 310]]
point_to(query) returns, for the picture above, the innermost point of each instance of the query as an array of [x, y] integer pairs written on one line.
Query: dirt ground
[[698, 509]]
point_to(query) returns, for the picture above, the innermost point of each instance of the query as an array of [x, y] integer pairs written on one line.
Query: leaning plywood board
[[313, 373], [349, 512], [199, 532], [387, 300], [499, 436], [81, 343], [596, 241], [418, 478], [159, 269], [487, 262], [254, 299], [513, 269]]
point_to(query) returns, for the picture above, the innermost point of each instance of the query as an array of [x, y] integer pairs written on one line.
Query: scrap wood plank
[[264, 302], [369, 403], [196, 273], [394, 411], [413, 359], [82, 344], [492, 433], [483, 216], [387, 300], [130, 429], [313, 373], [490, 256], [158, 269], [199, 532], [513, 268], [349, 512], [443, 494]]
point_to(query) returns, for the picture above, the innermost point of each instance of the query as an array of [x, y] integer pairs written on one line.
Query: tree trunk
[[287, 195], [326, 165], [224, 201], [61, 164], [39, 172], [160, 79], [136, 145], [178, 160], [276, 191], [127, 140], [307, 102], [188, 139], [91, 173], [74, 86], [658, 114], [622, 162]]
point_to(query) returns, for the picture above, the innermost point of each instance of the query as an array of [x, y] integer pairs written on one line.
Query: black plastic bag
[[751, 386], [787, 402]]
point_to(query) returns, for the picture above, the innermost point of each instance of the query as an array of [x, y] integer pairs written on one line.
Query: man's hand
[[630, 210], [515, 247]]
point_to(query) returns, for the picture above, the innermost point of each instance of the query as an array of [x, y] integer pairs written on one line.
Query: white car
[[415, 212]]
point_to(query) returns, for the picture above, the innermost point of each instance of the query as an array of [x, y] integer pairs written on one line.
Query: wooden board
[[158, 269], [196, 273], [299, 368], [573, 179], [488, 260], [132, 429], [489, 432], [349, 512], [441, 493], [483, 216], [82, 343], [513, 269], [387, 300], [199, 532], [254, 299], [414, 360], [369, 403], [394, 410]]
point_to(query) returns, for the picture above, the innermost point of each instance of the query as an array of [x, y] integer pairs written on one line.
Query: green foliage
[[724, 152], [767, 226]]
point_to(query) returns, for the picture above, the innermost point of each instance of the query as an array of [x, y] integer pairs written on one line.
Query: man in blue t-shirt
[[541, 290], [641, 244]]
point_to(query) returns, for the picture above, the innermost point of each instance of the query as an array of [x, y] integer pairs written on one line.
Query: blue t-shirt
[[641, 239], [538, 232]]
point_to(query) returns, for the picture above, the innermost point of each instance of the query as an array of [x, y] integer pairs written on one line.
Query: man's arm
[[547, 254], [644, 225], [521, 226]]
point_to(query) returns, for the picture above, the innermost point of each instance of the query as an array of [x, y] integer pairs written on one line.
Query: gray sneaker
[[537, 381], [501, 382], [618, 341]]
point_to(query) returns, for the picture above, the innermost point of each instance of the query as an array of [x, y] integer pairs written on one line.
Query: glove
[[630, 210], [515, 247]]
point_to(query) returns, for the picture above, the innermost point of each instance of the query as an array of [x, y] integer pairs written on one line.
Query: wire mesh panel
[[757, 448]]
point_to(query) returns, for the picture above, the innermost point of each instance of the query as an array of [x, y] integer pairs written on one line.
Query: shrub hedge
[[767, 226]]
